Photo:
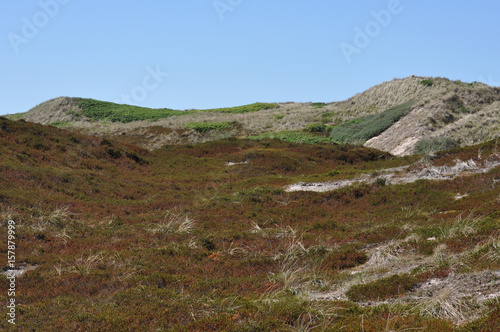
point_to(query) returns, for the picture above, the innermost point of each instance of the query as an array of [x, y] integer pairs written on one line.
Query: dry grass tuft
[[384, 254], [494, 253], [58, 215], [291, 276], [490, 249], [443, 259], [83, 264], [8, 214], [174, 222], [445, 304], [462, 226], [306, 322]]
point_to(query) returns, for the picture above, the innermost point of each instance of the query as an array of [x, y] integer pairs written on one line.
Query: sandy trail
[[401, 175]]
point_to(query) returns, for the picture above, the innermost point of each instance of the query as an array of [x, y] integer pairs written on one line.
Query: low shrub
[[383, 288], [318, 105], [427, 82], [434, 144], [316, 128], [203, 127], [347, 258], [59, 124], [255, 107], [426, 247], [133, 156], [115, 154], [101, 110], [464, 109], [362, 129]]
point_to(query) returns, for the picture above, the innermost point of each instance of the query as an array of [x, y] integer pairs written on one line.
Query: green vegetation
[[75, 114], [203, 127], [318, 105], [316, 128], [293, 137], [464, 109], [360, 130], [243, 109], [60, 124], [434, 144], [102, 110], [107, 111], [16, 116], [427, 82], [382, 289]]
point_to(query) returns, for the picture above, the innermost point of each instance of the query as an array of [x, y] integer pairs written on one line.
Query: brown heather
[[203, 237]]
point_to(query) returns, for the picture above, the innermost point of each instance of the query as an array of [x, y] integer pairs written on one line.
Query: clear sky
[[205, 53]]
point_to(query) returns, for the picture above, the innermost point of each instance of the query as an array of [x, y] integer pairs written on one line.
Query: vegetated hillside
[[204, 237], [65, 110], [442, 108], [59, 110], [366, 127], [460, 113]]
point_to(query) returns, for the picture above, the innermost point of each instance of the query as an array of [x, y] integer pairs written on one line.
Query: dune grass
[[434, 144]]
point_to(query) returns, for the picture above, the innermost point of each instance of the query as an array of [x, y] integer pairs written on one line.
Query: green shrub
[[383, 288], [463, 109], [316, 128], [101, 110], [427, 82], [13, 116], [115, 154], [203, 127], [59, 124], [434, 144], [362, 129], [279, 116], [75, 114], [381, 182], [133, 156], [255, 107], [318, 105], [208, 244]]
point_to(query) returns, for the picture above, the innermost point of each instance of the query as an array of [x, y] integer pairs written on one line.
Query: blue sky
[[205, 53]]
